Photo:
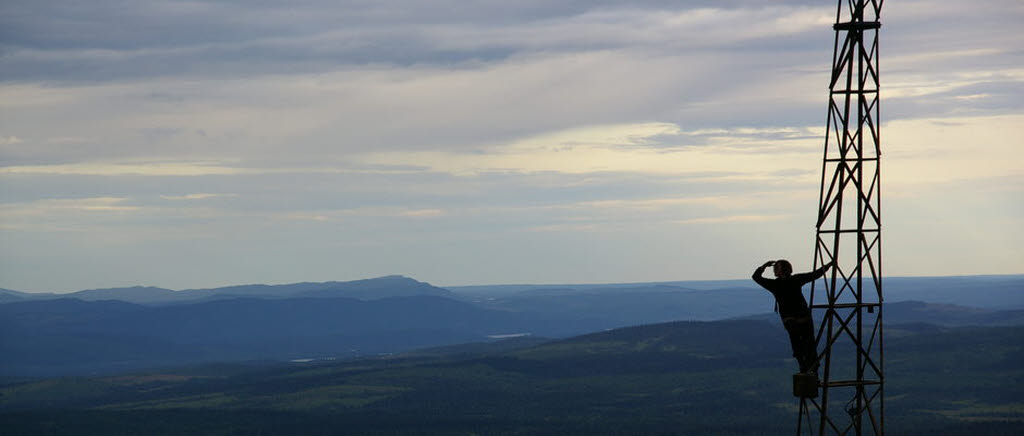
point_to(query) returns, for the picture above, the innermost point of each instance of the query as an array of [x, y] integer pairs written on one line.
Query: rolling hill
[[71, 336], [726, 377]]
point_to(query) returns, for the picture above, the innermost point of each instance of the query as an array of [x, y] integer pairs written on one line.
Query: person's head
[[782, 268]]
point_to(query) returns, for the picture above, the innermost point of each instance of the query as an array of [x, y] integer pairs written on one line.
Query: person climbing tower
[[793, 309]]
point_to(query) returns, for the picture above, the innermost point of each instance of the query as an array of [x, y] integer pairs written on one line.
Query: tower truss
[[848, 300]]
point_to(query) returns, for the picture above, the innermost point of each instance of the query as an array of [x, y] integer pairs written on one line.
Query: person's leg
[[810, 347], [796, 341]]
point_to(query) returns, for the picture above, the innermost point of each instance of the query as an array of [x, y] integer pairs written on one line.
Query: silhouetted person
[[793, 309]]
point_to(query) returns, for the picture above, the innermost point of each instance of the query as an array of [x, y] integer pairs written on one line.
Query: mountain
[[997, 292], [636, 305], [919, 312], [368, 289], [71, 336], [505, 290], [710, 300], [950, 314], [134, 294], [7, 295], [623, 303]]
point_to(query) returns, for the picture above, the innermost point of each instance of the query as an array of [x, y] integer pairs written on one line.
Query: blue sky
[[195, 143]]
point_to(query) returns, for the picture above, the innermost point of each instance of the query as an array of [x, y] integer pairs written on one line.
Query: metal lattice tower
[[849, 304]]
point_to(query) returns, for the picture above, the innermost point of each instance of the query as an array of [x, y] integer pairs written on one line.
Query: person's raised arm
[[813, 275], [758, 277], [821, 271]]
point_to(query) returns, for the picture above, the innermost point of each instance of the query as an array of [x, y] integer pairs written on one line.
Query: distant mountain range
[[982, 291], [369, 289], [112, 330], [620, 304], [631, 304], [947, 315]]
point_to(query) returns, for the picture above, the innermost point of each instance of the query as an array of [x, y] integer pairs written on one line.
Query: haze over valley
[[103, 331]]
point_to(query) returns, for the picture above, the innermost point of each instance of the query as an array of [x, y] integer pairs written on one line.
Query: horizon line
[[537, 285]]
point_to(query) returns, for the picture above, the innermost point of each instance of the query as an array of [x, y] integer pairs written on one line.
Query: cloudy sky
[[200, 143]]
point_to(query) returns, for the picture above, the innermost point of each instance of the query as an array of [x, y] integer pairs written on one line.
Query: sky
[[190, 144]]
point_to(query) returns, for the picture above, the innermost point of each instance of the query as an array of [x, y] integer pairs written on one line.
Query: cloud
[[422, 213], [623, 62], [101, 204], [10, 140], [624, 148], [952, 150], [126, 169], [649, 139], [112, 40], [992, 94], [733, 218], [313, 119], [361, 213], [186, 197], [52, 214]]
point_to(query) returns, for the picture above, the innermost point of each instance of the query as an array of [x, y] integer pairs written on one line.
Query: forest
[[722, 377]]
